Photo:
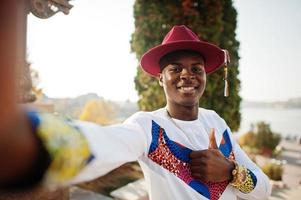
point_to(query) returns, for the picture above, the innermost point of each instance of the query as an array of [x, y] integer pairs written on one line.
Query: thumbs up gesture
[[210, 164], [212, 140]]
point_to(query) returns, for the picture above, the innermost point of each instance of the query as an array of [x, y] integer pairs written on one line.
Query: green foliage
[[213, 21], [266, 138], [261, 138], [248, 139], [273, 170]]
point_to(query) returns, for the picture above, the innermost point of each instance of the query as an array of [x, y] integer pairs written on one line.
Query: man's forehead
[[177, 55], [193, 57]]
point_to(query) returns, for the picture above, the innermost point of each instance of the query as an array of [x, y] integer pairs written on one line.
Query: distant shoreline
[[291, 103]]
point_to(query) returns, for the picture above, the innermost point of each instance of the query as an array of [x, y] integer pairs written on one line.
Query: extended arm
[[70, 152], [80, 151], [18, 146]]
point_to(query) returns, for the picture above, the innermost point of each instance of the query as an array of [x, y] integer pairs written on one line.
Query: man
[[185, 152]]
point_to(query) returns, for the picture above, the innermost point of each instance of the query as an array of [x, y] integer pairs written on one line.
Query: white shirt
[[138, 139]]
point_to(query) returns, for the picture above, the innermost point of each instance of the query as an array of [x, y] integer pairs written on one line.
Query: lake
[[286, 121]]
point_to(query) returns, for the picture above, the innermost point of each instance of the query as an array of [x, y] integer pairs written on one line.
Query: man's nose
[[187, 74]]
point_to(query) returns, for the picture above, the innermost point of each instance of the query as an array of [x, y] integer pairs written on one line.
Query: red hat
[[182, 38]]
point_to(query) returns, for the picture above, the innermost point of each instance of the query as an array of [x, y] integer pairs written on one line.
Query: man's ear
[[160, 79]]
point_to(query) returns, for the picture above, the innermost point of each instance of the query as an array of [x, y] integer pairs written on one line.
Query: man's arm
[[18, 146], [32, 142]]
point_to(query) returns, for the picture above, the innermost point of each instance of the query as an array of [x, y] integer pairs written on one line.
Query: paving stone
[[77, 193]]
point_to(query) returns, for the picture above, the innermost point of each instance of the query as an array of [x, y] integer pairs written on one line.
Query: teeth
[[187, 88]]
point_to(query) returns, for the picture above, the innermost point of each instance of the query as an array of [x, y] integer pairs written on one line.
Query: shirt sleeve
[[82, 151], [262, 189]]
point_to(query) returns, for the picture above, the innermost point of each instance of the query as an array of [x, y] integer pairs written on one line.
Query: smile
[[187, 89]]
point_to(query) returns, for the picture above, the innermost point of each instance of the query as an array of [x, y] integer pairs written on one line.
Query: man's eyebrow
[[198, 63], [174, 63]]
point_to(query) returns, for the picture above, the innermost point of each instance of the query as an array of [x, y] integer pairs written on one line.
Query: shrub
[[266, 139], [273, 170], [248, 139], [261, 139]]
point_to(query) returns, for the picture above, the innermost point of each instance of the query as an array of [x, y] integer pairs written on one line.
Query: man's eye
[[198, 70], [176, 68]]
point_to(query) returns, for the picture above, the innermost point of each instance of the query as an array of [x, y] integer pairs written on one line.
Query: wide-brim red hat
[[182, 38]]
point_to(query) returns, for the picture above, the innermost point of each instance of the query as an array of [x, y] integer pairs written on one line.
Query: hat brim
[[213, 55]]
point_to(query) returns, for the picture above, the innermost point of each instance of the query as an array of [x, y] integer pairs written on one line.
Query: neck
[[186, 113]]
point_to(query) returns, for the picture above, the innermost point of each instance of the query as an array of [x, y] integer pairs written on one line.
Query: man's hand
[[211, 165]]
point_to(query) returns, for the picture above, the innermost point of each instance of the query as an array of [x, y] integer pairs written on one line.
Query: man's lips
[[187, 89]]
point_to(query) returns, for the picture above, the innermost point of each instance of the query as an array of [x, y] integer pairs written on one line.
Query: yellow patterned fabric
[[67, 146]]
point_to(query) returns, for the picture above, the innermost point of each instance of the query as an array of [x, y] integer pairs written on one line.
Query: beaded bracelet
[[242, 179]]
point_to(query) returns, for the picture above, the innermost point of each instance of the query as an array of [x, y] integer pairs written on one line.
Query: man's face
[[184, 79]]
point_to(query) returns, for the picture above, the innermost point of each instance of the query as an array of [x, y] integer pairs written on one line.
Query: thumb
[[212, 141]]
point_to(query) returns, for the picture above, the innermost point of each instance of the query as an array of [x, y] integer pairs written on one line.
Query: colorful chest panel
[[175, 158]]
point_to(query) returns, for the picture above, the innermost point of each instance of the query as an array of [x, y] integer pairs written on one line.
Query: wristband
[[68, 148], [242, 179]]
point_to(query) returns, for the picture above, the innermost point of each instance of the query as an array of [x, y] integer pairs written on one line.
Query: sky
[[88, 51]]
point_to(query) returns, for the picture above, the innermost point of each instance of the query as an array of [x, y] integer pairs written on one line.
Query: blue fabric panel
[[226, 148]]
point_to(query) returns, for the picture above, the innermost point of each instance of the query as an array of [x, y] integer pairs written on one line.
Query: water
[[282, 120]]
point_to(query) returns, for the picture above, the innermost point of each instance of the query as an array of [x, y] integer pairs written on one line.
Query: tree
[[29, 80], [26, 94], [35, 79], [98, 111], [213, 21]]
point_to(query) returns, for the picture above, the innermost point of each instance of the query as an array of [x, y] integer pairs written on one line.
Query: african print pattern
[[175, 158], [66, 145]]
